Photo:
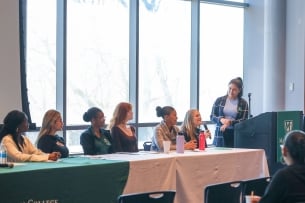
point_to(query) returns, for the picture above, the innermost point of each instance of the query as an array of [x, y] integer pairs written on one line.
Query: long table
[[103, 178], [191, 172]]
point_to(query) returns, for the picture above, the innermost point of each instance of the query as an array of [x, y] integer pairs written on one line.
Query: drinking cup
[[166, 146]]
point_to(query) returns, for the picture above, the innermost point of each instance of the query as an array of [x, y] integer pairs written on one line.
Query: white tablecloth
[[191, 172]]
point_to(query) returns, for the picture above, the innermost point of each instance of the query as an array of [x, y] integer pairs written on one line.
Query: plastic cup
[[166, 146], [252, 198]]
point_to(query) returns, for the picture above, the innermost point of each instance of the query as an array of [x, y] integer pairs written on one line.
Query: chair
[[146, 145], [258, 186], [149, 197], [229, 192]]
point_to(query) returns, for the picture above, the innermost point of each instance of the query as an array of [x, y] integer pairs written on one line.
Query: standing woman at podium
[[228, 110]]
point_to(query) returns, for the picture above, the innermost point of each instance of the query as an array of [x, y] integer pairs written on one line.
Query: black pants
[[228, 138]]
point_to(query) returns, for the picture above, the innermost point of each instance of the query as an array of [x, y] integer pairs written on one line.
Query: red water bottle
[[201, 140]]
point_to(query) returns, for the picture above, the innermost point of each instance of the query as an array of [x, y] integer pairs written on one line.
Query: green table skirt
[[71, 180]]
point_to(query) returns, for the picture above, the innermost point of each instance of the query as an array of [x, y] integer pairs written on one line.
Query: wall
[[254, 48], [295, 54], [254, 55], [10, 89]]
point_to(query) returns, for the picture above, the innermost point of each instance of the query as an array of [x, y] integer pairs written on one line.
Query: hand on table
[[191, 145], [54, 156]]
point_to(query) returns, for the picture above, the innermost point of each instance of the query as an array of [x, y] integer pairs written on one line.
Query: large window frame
[[61, 72]]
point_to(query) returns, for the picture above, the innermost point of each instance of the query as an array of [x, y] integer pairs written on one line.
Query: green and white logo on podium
[[286, 122]]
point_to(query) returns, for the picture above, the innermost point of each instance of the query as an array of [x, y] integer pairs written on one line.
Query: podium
[[266, 131]]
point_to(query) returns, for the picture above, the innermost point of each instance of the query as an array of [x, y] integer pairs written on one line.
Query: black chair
[[149, 197], [257, 186], [147, 145], [229, 192]]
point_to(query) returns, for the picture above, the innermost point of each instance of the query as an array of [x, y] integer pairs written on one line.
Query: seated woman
[[48, 141], [95, 140], [123, 135], [167, 130], [191, 126], [19, 147], [288, 183]]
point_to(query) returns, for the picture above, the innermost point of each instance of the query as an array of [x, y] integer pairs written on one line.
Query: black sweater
[[53, 143], [286, 183]]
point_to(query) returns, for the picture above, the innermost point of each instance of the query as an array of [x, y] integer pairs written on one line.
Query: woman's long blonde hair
[[120, 114], [188, 125], [49, 120]]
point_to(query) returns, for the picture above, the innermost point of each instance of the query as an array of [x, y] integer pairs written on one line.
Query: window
[[41, 57], [97, 56], [221, 52], [164, 57]]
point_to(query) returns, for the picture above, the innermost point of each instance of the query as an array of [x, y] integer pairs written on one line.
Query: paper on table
[[19, 164], [95, 156]]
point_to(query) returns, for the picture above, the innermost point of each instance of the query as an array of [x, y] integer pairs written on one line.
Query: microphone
[[206, 128], [7, 165], [249, 112]]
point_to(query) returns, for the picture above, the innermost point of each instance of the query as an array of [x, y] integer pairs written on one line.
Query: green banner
[[286, 121]]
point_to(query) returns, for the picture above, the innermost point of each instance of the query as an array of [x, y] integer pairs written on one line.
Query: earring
[[17, 130]]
